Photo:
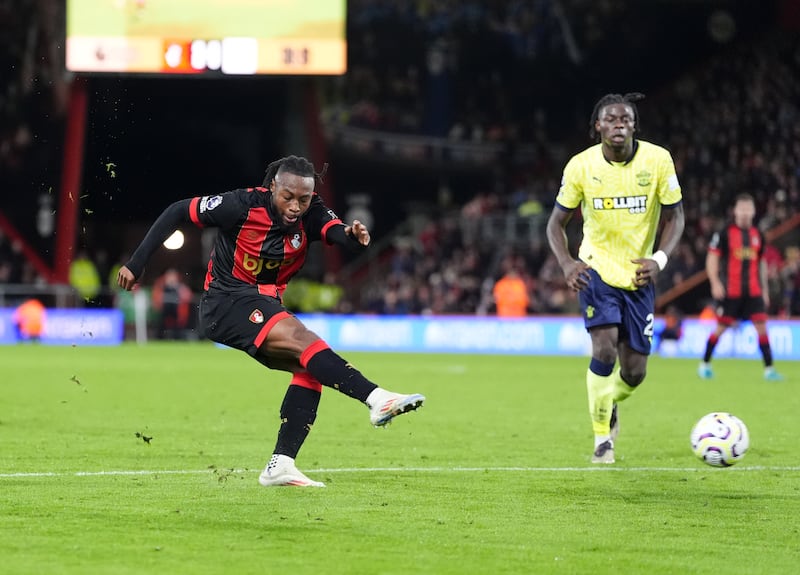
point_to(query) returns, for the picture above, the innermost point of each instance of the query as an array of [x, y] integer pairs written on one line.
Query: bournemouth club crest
[[256, 316], [296, 241]]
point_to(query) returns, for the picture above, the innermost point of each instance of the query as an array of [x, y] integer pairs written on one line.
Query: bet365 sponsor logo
[[633, 204], [745, 253], [255, 265]]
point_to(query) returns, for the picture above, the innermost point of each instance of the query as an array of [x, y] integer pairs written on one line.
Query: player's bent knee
[[605, 354], [634, 378]]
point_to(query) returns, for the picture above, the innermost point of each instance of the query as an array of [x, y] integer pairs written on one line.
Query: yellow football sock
[[601, 400], [621, 390]]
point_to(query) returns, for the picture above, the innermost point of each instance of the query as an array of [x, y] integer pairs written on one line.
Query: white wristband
[[661, 259]]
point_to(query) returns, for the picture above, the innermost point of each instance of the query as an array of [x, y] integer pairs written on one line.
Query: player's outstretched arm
[[355, 238], [359, 232], [125, 278], [161, 229]]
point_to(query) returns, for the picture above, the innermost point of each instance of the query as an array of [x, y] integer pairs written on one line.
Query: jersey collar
[[629, 160]]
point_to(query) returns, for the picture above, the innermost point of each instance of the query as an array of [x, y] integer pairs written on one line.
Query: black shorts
[[240, 319], [733, 309]]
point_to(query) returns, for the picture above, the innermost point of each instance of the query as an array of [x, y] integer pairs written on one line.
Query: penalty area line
[[593, 469]]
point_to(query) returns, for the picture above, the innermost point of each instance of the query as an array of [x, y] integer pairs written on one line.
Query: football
[[720, 439]]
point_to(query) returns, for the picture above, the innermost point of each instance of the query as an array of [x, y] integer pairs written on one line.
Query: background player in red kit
[[738, 276], [262, 242]]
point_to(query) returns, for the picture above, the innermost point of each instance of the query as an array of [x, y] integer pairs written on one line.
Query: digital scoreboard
[[207, 37]]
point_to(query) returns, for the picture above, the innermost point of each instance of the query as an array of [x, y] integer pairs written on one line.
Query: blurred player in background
[[737, 272], [263, 239], [172, 299], [625, 187]]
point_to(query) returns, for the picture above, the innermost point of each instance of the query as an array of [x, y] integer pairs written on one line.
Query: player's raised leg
[[333, 371], [288, 337]]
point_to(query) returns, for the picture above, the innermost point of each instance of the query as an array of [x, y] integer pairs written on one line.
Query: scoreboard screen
[[208, 37]]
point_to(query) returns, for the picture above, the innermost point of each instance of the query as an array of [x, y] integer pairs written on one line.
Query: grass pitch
[[129, 460]]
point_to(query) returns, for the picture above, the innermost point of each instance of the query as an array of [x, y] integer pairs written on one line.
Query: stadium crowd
[[458, 79], [727, 136], [33, 99]]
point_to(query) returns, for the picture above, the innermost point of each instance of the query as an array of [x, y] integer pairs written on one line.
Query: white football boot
[[604, 453], [281, 471], [385, 405]]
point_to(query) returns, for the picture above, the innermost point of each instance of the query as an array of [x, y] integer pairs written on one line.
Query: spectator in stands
[[731, 146], [774, 262], [29, 318], [84, 277], [791, 282], [511, 294]]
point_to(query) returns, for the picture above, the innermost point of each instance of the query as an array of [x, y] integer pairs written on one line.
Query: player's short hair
[[629, 99], [294, 165], [744, 197]]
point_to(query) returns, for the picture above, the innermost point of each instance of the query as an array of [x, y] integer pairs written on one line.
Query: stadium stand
[[459, 138]]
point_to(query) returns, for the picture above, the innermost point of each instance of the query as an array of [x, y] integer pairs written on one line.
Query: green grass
[[491, 476]]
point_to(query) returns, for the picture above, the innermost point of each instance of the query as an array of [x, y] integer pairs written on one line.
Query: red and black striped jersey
[[740, 251], [253, 247]]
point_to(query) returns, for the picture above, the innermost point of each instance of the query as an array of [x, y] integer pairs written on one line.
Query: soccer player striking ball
[[263, 239], [625, 187], [743, 294]]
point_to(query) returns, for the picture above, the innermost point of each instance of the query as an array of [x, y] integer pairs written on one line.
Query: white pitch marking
[[603, 469]]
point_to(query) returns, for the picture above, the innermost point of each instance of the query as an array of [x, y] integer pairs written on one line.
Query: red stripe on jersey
[[742, 258], [247, 262], [756, 250], [195, 217], [734, 264], [327, 226], [294, 256], [270, 290], [209, 275], [262, 335]]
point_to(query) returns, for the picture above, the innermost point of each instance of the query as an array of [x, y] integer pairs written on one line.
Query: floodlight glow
[[175, 241]]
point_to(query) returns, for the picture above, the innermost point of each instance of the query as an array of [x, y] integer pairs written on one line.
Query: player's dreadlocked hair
[[294, 165], [628, 99]]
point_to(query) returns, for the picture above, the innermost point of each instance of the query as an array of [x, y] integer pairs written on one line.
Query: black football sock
[[332, 371], [710, 345], [766, 350], [298, 412]]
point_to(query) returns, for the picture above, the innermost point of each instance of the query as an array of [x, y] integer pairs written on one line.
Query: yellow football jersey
[[621, 206]]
